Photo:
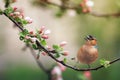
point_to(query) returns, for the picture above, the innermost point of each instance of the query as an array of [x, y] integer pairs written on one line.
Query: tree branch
[[117, 14], [51, 55], [69, 66], [18, 25]]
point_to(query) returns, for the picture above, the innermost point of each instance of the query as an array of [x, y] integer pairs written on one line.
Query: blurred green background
[[18, 65]]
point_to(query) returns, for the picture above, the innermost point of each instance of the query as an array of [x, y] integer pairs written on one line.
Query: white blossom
[[90, 3], [47, 32], [33, 39]]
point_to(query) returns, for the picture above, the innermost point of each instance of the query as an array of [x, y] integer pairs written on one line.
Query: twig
[[105, 15], [18, 25], [117, 14]]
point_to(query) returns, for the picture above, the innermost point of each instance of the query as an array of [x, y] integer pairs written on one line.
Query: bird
[[88, 52]]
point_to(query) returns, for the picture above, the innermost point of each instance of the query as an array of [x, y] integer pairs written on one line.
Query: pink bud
[[63, 43], [87, 74], [41, 29], [65, 53], [11, 14], [31, 32], [44, 53], [44, 36], [15, 8]]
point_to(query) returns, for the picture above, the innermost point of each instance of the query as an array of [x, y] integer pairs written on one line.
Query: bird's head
[[90, 40]]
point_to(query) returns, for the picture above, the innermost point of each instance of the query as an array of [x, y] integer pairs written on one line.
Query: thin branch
[[117, 14], [105, 15], [69, 66], [18, 25]]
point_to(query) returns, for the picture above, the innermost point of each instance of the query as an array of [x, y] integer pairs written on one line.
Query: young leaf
[[43, 42], [8, 10], [57, 55], [64, 60], [57, 48], [105, 63], [34, 46]]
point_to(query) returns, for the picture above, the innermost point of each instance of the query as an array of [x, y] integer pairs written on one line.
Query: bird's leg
[[88, 65]]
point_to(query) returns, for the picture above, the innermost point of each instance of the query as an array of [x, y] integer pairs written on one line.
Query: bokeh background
[[16, 64]]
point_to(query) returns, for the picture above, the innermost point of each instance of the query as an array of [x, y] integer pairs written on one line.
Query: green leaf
[[57, 48], [24, 33], [34, 46], [21, 38], [1, 12], [57, 55], [60, 13], [24, 22], [79, 10], [64, 60], [82, 77], [105, 63], [8, 10], [43, 42]]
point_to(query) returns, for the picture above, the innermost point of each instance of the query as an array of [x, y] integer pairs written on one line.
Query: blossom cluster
[[86, 5], [18, 16], [57, 72]]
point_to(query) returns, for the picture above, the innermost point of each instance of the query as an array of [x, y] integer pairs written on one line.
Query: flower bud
[[44, 36], [65, 53]]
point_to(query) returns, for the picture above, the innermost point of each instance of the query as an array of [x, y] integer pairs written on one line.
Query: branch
[[69, 66], [51, 55], [105, 15], [117, 14], [18, 25]]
